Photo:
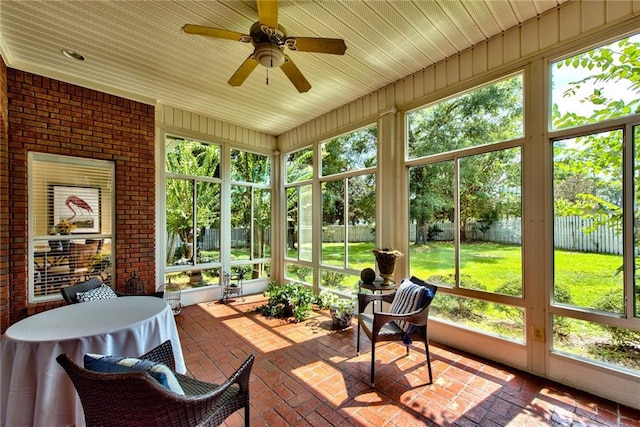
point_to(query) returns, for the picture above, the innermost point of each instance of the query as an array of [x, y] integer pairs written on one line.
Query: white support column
[[386, 182]]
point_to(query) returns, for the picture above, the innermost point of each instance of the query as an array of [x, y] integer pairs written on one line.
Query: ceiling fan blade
[[319, 45], [294, 74], [215, 32], [268, 12], [243, 71]]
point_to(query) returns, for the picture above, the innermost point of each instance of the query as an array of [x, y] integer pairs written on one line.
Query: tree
[[489, 114], [597, 158], [353, 151]]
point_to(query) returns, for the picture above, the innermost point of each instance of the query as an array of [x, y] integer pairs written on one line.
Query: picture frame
[[78, 205]]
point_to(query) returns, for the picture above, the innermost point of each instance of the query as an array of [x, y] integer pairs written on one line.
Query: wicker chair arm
[[213, 396], [418, 318], [162, 354]]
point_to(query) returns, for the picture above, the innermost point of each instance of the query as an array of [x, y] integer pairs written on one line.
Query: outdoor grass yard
[[495, 267]]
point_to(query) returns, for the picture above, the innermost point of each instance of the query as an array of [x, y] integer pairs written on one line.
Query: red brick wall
[[4, 201], [51, 116]]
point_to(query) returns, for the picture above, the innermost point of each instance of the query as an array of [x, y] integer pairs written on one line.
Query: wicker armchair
[[69, 292], [136, 399], [381, 326]]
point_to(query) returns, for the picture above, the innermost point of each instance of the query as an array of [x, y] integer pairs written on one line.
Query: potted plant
[[342, 309]]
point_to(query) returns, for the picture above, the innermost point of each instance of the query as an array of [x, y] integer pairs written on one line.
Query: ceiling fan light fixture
[[269, 56], [71, 54]]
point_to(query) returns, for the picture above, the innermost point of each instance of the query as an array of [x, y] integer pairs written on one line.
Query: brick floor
[[306, 374]]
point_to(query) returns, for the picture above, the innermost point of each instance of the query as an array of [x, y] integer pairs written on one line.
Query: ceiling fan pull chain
[[267, 77]]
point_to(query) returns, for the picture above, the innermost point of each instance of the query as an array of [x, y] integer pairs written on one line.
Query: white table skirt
[[35, 390]]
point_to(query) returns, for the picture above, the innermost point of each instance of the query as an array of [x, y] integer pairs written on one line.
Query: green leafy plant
[[325, 299], [343, 306], [286, 300]]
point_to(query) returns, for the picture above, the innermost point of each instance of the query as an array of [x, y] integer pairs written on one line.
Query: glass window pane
[[636, 192], [333, 233], [490, 222], [597, 342], [299, 273], [498, 319], [343, 283], [292, 222], [194, 279], [300, 165], [305, 228], [353, 151], [587, 186], [67, 261], [489, 114], [208, 222], [192, 158], [261, 223], [596, 85], [362, 222], [179, 201], [250, 167], [240, 222], [431, 212]]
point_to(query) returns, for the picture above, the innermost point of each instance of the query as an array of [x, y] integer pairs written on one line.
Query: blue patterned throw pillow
[[118, 364], [101, 292]]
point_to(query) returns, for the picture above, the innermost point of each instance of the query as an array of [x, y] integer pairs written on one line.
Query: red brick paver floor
[[306, 374]]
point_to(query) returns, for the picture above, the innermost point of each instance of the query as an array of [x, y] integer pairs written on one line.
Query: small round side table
[[377, 286]]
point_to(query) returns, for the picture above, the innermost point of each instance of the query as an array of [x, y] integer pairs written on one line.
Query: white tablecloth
[[36, 391]]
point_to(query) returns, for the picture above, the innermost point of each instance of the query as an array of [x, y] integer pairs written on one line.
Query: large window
[[250, 214], [193, 212], [70, 222], [465, 205], [198, 249], [348, 185], [299, 205], [595, 300]]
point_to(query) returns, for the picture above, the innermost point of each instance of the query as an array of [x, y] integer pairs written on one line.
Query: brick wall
[[4, 201], [51, 116]]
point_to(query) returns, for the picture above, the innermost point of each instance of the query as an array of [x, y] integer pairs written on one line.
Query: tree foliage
[[588, 170], [489, 114], [353, 151]]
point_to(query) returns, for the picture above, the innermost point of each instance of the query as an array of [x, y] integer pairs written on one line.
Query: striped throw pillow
[[409, 297]]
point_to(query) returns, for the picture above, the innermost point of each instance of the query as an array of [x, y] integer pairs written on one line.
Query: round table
[[35, 390], [377, 286]]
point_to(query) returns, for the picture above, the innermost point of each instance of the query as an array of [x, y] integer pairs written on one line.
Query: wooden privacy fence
[[569, 234]]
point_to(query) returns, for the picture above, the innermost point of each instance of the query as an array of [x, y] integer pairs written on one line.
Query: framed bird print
[[76, 210]]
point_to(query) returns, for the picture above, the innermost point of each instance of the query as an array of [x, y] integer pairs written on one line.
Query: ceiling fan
[[269, 40]]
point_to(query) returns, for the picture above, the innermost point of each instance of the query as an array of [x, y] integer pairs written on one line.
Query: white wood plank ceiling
[[136, 49]]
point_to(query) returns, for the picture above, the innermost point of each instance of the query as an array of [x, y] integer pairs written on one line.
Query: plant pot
[[386, 264], [287, 311], [341, 320]]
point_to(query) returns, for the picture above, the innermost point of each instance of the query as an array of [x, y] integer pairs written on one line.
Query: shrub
[[300, 271], [613, 302], [456, 307], [511, 288], [332, 279], [562, 325]]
